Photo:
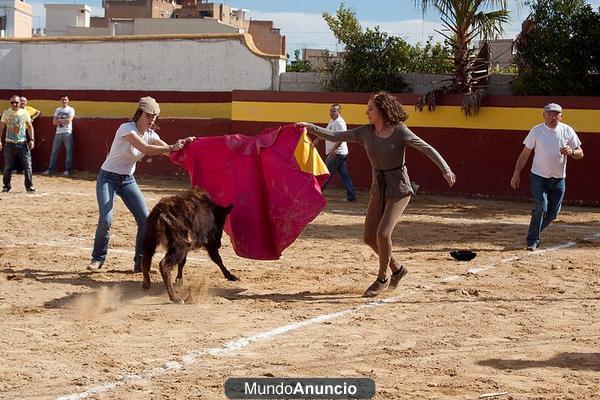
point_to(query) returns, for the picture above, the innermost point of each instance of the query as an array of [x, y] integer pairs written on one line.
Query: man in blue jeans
[[18, 144], [63, 120], [337, 153], [552, 142]]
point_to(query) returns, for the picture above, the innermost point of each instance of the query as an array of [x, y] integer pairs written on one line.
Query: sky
[[303, 25]]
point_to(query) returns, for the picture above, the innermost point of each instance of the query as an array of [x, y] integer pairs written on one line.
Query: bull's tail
[[150, 243]]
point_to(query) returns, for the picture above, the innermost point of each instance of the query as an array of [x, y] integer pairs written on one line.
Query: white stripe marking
[[470, 221], [239, 344]]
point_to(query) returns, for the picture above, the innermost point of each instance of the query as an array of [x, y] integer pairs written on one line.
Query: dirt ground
[[517, 324]]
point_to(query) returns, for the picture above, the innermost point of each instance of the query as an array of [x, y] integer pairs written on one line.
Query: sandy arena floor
[[524, 323]]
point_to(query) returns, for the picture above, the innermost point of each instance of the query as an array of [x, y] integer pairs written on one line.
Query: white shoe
[[95, 266]]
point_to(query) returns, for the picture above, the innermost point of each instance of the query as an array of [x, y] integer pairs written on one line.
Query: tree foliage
[[558, 50], [431, 58], [374, 60]]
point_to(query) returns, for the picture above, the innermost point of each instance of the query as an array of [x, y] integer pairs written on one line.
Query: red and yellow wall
[[481, 150]]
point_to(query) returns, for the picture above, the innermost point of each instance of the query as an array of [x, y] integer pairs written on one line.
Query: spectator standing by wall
[[63, 120], [17, 144], [33, 113]]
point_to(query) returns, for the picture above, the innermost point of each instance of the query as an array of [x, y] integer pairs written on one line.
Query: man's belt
[[15, 141]]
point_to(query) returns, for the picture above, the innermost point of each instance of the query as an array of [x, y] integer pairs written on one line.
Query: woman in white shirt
[[133, 140]]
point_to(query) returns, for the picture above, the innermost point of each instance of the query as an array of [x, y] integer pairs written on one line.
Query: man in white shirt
[[337, 153], [63, 120], [552, 142]]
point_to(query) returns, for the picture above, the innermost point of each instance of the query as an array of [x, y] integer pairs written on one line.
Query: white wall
[[61, 16], [222, 64], [10, 65], [23, 24], [300, 82], [419, 83]]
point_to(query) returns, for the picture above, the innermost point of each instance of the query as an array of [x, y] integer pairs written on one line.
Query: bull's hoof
[[178, 281], [232, 278], [177, 300]]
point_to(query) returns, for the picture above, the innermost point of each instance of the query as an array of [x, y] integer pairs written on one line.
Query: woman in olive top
[[385, 139]]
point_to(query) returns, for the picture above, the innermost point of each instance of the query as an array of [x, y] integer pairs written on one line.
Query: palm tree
[[464, 21]]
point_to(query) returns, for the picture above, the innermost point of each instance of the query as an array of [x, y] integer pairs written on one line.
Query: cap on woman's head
[[149, 105]]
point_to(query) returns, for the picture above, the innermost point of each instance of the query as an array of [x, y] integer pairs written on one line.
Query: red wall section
[[483, 161], [93, 138]]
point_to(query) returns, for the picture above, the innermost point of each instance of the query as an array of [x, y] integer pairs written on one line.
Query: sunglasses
[[14, 102]]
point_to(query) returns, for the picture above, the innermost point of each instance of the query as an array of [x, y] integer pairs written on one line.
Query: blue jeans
[[125, 186], [548, 195], [12, 152], [60, 138], [337, 163]]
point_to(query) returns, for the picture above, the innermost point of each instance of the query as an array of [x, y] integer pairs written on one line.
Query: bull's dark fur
[[182, 223]]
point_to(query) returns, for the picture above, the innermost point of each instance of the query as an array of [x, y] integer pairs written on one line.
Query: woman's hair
[[138, 114], [390, 108]]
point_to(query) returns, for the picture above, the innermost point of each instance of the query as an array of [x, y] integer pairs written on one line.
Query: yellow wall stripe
[[490, 118], [493, 118], [115, 109]]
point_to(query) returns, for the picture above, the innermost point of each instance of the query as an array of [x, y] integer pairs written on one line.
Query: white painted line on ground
[[471, 221], [541, 252], [226, 349], [243, 342]]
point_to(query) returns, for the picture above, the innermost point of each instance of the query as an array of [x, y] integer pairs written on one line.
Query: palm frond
[[430, 99], [471, 103], [449, 25], [491, 23]]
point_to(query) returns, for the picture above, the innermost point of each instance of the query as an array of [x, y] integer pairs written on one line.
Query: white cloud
[[308, 30]]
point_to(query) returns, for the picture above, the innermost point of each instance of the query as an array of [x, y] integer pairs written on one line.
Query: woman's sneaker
[[376, 287], [95, 266], [396, 276]]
